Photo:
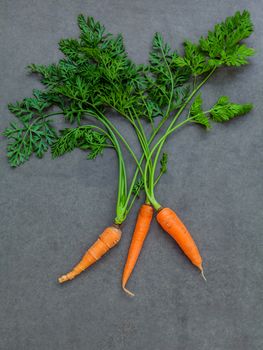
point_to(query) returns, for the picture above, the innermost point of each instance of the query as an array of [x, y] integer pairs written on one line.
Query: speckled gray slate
[[52, 210]]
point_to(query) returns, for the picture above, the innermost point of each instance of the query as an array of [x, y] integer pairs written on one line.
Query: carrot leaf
[[163, 162], [33, 132], [196, 113], [137, 187], [84, 137], [35, 137], [225, 110], [222, 44]]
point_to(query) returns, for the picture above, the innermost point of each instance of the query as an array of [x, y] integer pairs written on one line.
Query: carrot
[[140, 232], [107, 240], [171, 223]]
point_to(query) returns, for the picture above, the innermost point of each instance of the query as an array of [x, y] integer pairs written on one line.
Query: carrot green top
[[96, 77]]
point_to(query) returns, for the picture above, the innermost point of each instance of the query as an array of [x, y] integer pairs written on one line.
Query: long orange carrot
[[107, 240], [171, 223], [140, 232]]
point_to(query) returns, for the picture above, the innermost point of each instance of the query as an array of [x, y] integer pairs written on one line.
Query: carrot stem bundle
[[140, 233], [107, 240]]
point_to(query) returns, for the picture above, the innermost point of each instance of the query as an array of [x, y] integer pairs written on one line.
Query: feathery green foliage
[[220, 47], [137, 187], [225, 110], [197, 114], [223, 44], [96, 78], [222, 111], [163, 73], [28, 139], [163, 162], [33, 133], [97, 74], [83, 137]]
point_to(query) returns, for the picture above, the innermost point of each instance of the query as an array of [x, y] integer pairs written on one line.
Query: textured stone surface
[[52, 210]]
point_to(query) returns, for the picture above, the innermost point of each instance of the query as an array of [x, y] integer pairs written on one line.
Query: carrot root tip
[[127, 291], [202, 274], [63, 279]]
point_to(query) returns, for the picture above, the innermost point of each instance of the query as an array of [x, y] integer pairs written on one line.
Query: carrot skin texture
[[172, 224], [107, 240], [141, 230]]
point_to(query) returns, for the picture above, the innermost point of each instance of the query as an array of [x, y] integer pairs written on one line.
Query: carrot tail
[[107, 240], [203, 275], [171, 223], [140, 232]]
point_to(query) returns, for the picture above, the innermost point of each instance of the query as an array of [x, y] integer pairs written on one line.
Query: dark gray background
[[51, 211]]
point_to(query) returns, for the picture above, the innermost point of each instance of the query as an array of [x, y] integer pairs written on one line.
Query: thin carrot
[[171, 223], [107, 240], [140, 232]]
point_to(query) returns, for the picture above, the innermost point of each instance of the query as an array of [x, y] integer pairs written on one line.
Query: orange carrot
[[171, 223], [107, 240], [140, 232]]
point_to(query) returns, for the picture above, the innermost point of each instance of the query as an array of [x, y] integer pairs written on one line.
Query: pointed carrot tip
[[127, 291], [202, 274]]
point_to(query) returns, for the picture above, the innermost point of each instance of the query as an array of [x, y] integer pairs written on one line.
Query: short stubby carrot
[[171, 223], [140, 232], [107, 240]]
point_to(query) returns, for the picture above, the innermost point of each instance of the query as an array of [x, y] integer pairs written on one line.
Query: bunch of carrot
[[96, 76]]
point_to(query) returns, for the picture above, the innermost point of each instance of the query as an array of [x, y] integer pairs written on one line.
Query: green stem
[[145, 147], [154, 133], [158, 178], [146, 151], [172, 84], [107, 123], [160, 143], [122, 183]]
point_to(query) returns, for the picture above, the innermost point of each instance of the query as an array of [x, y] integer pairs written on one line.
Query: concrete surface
[[52, 210]]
